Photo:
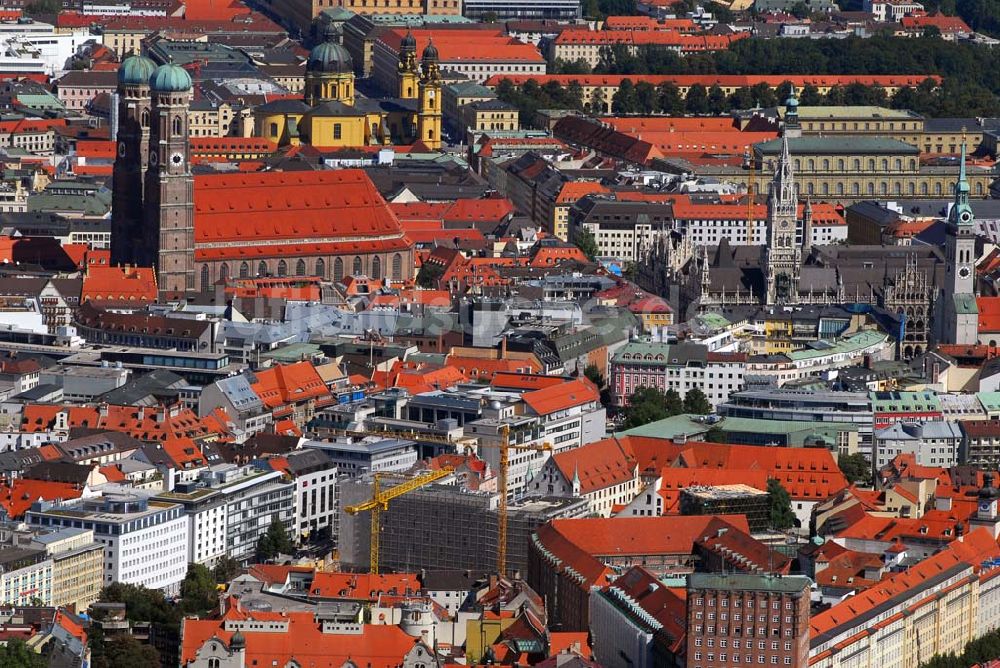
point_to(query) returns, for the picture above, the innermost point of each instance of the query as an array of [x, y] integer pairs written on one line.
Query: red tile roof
[[561, 397], [376, 646], [978, 546], [575, 190], [341, 209], [16, 497], [599, 465], [133, 285], [525, 381], [286, 384], [468, 45], [722, 80], [144, 423], [362, 586]]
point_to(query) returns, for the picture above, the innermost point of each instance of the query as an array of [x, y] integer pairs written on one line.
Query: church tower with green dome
[[169, 205], [133, 109], [958, 320], [329, 71]]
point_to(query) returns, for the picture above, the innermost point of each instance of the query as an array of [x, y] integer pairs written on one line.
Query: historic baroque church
[[199, 230]]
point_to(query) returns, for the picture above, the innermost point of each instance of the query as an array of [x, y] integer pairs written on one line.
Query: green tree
[[126, 652], [800, 10], [647, 102], [696, 101], [809, 96], [429, 274], [198, 593], [717, 102], [274, 542], [141, 604], [716, 435], [226, 568], [597, 102], [742, 98], [586, 242], [43, 7], [856, 469], [671, 100], [16, 654], [673, 402], [593, 374], [782, 516], [624, 100], [647, 404], [696, 402]]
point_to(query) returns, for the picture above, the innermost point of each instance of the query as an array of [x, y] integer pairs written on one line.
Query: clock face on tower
[[984, 506], [965, 217], [964, 272], [121, 148], [784, 224], [177, 159]]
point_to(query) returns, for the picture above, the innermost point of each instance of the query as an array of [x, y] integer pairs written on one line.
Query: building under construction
[[444, 527]]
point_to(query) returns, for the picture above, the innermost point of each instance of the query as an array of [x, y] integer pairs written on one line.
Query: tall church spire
[[961, 212]]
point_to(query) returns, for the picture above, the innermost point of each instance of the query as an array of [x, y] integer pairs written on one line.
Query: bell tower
[[409, 72], [429, 115], [169, 241], [133, 109], [782, 255], [958, 320]]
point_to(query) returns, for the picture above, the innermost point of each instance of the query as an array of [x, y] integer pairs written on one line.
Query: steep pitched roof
[[289, 383], [362, 586], [561, 397], [599, 465], [16, 497]]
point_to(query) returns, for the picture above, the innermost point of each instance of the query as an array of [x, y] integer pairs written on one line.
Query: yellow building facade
[[331, 115]]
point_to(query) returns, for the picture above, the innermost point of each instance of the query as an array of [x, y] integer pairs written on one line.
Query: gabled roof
[[132, 285], [561, 397], [289, 383], [598, 465], [362, 586]]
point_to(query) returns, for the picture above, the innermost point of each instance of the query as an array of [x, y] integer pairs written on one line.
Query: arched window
[[206, 278], [338, 269], [840, 188], [871, 164], [376, 268], [262, 268], [856, 188], [885, 164], [857, 165], [282, 268], [825, 188], [321, 268], [812, 165], [397, 267], [937, 188], [145, 118], [430, 133], [883, 188], [356, 270], [300, 267], [809, 188], [923, 188], [912, 188], [224, 272], [840, 164], [244, 270], [826, 164], [979, 188], [177, 125], [898, 188], [871, 188], [798, 164], [899, 164]]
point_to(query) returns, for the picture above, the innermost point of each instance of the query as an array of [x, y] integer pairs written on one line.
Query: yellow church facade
[[332, 115]]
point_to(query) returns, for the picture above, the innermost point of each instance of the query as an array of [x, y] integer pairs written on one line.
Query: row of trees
[[649, 404], [971, 72]]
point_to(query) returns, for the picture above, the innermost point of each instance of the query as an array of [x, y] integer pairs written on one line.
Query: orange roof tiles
[[599, 465], [525, 381], [285, 384], [376, 646], [989, 314], [16, 497], [103, 284], [575, 190], [978, 546], [458, 45], [673, 480], [362, 586], [561, 397], [327, 205]]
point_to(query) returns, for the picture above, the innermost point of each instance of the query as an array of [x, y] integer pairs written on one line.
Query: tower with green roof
[[958, 320], [133, 102]]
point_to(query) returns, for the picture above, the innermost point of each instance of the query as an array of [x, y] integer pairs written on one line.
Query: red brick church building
[[199, 229]]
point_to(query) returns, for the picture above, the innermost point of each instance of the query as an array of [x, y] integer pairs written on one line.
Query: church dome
[[330, 57], [409, 42], [792, 100], [135, 70], [237, 642], [430, 52], [170, 78]]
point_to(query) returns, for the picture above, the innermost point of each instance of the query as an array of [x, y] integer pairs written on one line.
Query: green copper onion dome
[[135, 71], [170, 78]]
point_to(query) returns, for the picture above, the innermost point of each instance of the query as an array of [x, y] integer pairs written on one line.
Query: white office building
[[145, 540]]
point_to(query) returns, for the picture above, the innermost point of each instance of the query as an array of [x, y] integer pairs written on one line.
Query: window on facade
[[244, 270], [282, 268], [337, 131]]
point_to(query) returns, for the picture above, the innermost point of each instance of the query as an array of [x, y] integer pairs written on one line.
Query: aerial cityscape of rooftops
[[539, 333]]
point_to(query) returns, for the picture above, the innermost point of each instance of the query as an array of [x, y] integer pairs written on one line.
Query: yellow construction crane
[[505, 448], [380, 502]]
